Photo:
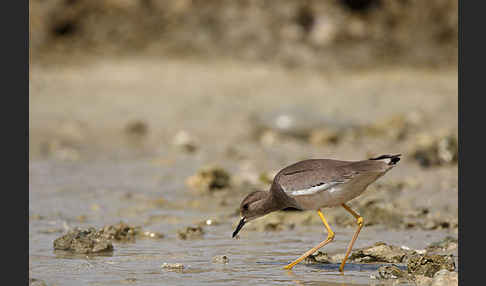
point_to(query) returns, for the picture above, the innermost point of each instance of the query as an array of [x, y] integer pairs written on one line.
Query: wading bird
[[315, 184]]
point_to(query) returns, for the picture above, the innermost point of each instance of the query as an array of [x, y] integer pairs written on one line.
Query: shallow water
[[86, 170], [60, 192]]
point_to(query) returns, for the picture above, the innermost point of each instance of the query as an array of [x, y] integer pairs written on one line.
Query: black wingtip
[[393, 158]]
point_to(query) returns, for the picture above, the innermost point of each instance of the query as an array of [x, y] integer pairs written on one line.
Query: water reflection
[[298, 282], [332, 271], [71, 255]]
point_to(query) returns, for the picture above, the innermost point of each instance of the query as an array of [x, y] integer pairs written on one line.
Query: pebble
[[190, 232], [173, 266], [209, 179], [223, 259]]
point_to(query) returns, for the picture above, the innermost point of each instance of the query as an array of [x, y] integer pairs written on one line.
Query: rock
[[438, 220], [91, 241], [324, 32], [300, 124], [429, 264], [380, 252], [421, 251], [447, 244], [422, 280], [445, 278], [149, 234], [120, 232], [209, 222], [396, 127], [61, 149], [173, 266], [190, 232], [338, 257], [185, 141], [209, 179], [269, 137], [273, 226], [380, 214], [289, 123], [320, 34], [436, 150], [72, 131], [137, 128], [391, 272], [123, 232], [266, 178], [376, 210], [221, 259], [212, 222], [84, 241], [324, 136], [36, 282], [441, 278], [319, 257], [310, 260]]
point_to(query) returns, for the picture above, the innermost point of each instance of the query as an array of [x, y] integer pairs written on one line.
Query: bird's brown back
[[310, 173]]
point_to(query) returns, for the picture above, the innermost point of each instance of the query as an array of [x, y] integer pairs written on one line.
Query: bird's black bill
[[239, 227]]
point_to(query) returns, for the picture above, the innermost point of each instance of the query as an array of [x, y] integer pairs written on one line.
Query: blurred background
[[165, 114]]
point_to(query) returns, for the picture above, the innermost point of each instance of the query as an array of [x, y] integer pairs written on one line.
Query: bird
[[314, 184]]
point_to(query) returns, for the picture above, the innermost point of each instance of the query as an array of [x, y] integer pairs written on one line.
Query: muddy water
[[85, 170]]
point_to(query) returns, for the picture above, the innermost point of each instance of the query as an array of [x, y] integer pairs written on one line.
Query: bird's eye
[[245, 207]]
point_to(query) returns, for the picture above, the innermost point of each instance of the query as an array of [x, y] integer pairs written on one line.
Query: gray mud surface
[[109, 143]]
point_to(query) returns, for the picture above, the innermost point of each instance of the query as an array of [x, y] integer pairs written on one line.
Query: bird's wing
[[311, 176]]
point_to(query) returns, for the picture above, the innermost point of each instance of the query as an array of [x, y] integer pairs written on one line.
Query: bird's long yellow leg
[[359, 221], [330, 237]]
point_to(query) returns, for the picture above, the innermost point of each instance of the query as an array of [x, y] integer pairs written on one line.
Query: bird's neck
[[270, 203], [277, 199]]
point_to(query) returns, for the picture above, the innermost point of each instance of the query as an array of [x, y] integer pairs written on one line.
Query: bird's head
[[251, 207]]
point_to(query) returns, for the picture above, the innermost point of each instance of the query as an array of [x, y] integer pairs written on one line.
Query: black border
[[471, 134], [15, 95]]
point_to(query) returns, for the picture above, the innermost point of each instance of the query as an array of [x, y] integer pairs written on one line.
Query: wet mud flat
[[136, 159], [263, 248]]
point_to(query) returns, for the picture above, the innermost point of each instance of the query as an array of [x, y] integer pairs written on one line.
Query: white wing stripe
[[313, 190]]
